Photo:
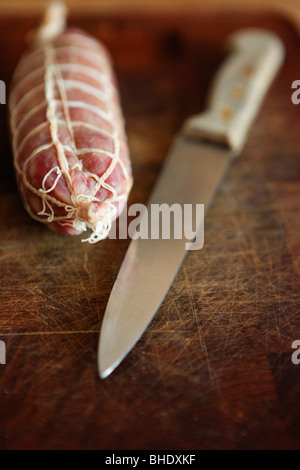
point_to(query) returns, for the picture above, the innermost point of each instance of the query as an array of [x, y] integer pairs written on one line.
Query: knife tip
[[104, 373], [105, 370]]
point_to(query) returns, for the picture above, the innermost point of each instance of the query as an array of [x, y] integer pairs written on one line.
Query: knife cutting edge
[[198, 161]]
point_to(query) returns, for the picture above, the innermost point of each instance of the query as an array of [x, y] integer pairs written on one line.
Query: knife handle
[[239, 88]]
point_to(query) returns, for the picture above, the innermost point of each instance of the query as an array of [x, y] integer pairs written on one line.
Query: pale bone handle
[[239, 88]]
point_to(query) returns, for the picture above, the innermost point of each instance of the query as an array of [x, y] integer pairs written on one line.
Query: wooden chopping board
[[214, 370]]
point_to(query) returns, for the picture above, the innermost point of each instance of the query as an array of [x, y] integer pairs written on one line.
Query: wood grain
[[214, 369]]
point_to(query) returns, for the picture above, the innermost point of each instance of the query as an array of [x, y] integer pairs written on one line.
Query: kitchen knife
[[193, 171]]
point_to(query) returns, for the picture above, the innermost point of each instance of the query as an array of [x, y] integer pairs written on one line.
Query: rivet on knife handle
[[239, 88]]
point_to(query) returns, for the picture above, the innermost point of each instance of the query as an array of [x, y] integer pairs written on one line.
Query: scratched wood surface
[[214, 370]]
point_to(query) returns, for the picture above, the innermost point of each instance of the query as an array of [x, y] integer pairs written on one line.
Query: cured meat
[[69, 144]]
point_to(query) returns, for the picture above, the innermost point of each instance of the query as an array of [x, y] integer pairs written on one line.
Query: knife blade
[[196, 164]]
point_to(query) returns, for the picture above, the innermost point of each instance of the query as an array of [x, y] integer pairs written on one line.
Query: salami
[[70, 149]]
